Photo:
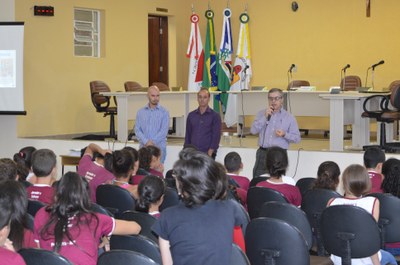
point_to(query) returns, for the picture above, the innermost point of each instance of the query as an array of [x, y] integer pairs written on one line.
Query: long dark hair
[[23, 159], [199, 178], [71, 199], [150, 190], [19, 205], [391, 173]]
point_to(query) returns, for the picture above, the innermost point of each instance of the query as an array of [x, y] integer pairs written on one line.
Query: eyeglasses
[[274, 98]]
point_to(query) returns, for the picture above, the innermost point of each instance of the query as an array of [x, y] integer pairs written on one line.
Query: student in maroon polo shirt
[[373, 160], [45, 170]]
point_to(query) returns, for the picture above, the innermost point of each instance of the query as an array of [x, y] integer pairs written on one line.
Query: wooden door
[[158, 49]]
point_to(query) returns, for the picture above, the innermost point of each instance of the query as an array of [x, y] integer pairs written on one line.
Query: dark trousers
[[260, 164]]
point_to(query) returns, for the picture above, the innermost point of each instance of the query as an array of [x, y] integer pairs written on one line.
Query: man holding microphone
[[275, 127]]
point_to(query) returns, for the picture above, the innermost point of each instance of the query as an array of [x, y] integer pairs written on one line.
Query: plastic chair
[[145, 221], [257, 196], [305, 185], [115, 199], [313, 204], [36, 256], [389, 217], [138, 244], [102, 103], [349, 232], [34, 206], [100, 209], [238, 257], [350, 83], [171, 198], [272, 241], [295, 217], [124, 257]]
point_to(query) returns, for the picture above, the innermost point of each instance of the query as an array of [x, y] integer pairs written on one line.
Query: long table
[[343, 109]]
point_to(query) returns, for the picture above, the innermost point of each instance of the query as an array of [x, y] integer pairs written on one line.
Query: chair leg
[[112, 125]]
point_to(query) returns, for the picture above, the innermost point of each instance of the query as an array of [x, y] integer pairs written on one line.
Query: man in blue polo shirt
[[203, 126]]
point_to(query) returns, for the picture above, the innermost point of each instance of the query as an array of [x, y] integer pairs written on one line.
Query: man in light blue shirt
[[275, 127], [152, 123]]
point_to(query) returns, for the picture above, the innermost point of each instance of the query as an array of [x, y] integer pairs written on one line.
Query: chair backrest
[[145, 221], [114, 198], [34, 206], [267, 243], [171, 198], [132, 86], [313, 204], [100, 102], [137, 243], [161, 86], [349, 232], [395, 94], [389, 217], [305, 184], [350, 82], [238, 257], [126, 257], [298, 83], [257, 196], [35, 256], [290, 214], [29, 221], [256, 180]]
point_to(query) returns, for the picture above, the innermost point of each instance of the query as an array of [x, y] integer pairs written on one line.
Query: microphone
[[375, 65], [269, 115], [291, 67], [345, 68]]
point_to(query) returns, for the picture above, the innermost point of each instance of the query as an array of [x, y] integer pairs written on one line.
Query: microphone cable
[[297, 161]]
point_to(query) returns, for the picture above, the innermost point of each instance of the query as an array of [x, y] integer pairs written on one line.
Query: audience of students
[[68, 226]]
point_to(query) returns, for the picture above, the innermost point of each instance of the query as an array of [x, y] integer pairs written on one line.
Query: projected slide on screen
[[7, 68], [11, 68]]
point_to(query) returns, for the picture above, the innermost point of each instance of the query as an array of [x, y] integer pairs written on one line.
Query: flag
[[210, 64], [242, 71], [196, 54], [224, 66]]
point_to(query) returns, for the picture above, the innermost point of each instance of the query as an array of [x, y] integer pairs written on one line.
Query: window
[[86, 32]]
